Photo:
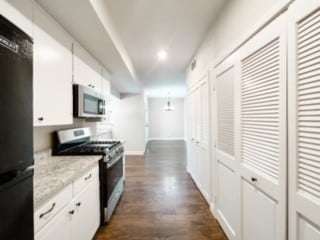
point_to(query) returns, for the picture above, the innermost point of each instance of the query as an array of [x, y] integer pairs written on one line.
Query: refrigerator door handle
[[8, 177], [11, 178]]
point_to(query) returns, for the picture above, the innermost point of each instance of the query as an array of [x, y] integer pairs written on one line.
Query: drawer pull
[[86, 178], [47, 212], [78, 204]]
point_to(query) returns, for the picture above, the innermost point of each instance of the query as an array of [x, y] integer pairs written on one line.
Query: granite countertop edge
[[50, 179]]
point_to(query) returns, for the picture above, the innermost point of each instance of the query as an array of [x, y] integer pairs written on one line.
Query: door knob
[[253, 179], [71, 212]]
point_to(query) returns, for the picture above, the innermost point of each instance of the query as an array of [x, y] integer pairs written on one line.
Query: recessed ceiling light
[[162, 55]]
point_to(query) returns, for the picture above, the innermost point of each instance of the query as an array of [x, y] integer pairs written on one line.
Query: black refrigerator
[[16, 133]]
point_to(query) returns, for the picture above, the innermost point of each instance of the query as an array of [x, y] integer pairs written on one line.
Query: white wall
[[235, 19], [43, 136], [164, 124], [128, 118]]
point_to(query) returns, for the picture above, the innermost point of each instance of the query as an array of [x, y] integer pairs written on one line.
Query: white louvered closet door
[[189, 129], [263, 134], [197, 111], [205, 139], [193, 123], [304, 120], [227, 181]]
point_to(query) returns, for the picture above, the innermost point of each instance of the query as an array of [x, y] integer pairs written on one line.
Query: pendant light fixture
[[168, 107]]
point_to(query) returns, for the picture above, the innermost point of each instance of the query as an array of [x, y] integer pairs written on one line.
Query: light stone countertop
[[53, 173]]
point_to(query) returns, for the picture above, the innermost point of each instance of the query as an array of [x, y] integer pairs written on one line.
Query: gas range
[[78, 142], [103, 148]]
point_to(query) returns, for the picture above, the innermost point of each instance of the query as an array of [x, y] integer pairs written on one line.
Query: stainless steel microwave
[[87, 103]]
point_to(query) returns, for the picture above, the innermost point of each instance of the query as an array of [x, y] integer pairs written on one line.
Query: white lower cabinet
[[86, 215], [78, 220], [58, 228]]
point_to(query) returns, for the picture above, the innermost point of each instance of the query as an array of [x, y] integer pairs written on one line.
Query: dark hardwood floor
[[161, 200]]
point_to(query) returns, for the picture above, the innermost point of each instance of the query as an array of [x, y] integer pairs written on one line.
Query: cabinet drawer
[[47, 211], [85, 179]]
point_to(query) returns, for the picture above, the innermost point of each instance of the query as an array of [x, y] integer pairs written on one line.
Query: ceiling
[[85, 26], [177, 26], [143, 27]]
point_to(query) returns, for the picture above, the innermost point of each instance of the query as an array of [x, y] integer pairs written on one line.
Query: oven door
[[88, 103], [114, 174]]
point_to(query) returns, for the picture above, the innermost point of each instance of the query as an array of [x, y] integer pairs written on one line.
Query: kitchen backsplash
[[43, 136]]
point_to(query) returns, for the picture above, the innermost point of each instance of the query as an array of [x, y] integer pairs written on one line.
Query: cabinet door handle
[[86, 178], [253, 179], [40, 118], [71, 212], [78, 204], [47, 212]]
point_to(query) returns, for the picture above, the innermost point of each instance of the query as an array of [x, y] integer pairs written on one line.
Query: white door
[[204, 160], [262, 136], [193, 134], [226, 165], [304, 120], [197, 112], [188, 128]]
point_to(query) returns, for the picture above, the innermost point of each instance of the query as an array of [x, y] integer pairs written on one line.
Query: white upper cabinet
[[106, 91], [52, 71], [19, 12], [86, 70], [106, 86]]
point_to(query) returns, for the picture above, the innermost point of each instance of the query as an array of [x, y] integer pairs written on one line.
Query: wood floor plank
[[161, 202]]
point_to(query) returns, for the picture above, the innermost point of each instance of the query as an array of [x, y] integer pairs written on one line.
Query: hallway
[[160, 200]]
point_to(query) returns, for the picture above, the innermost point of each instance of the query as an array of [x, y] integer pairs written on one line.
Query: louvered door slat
[[263, 52], [312, 35], [205, 132], [267, 60], [312, 56], [306, 23], [259, 71], [225, 112], [260, 109]]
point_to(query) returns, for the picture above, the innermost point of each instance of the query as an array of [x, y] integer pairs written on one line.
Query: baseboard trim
[[212, 209], [204, 194], [134, 153], [167, 139]]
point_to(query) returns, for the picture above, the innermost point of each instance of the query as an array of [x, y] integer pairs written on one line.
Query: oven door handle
[[113, 162]]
